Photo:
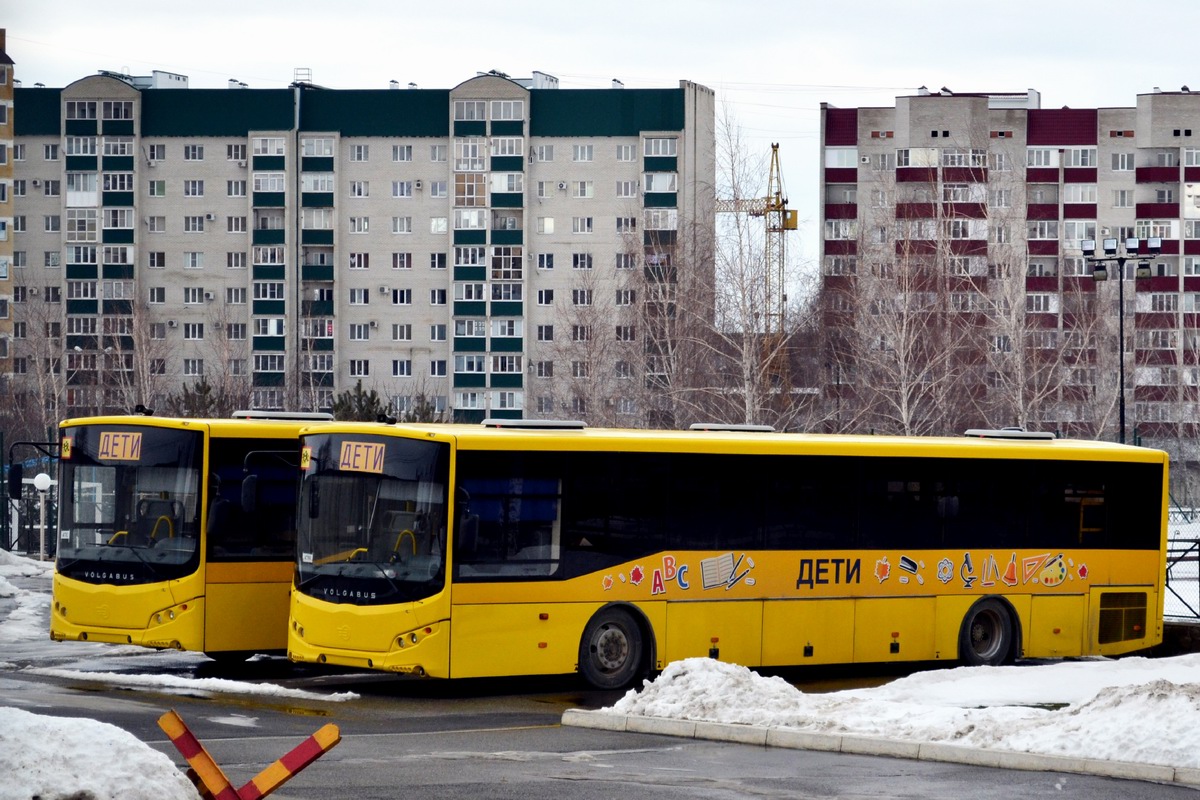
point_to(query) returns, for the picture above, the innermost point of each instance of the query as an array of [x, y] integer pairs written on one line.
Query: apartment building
[[440, 245], [976, 188]]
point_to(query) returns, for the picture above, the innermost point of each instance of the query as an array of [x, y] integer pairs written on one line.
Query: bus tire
[[987, 636], [611, 651]]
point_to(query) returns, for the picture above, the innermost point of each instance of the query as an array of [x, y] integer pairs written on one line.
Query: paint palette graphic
[[1054, 573]]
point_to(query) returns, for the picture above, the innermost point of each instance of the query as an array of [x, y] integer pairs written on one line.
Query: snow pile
[[197, 687], [1129, 710], [49, 758]]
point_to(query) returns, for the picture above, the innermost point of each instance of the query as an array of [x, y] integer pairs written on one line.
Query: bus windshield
[[372, 519], [130, 507]]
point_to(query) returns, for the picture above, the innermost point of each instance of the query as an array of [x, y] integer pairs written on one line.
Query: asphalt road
[[502, 739]]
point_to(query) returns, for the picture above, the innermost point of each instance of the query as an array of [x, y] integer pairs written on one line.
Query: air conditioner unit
[[172, 323], [374, 323], [33, 290], [152, 164], [383, 290], [562, 185], [417, 184], [210, 217], [36, 182], [208, 296], [242, 164]]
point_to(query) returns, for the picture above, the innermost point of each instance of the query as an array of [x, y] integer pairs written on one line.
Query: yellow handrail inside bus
[[116, 535], [399, 539], [170, 528]]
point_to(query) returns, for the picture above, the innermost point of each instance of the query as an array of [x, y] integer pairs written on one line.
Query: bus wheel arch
[[990, 634], [616, 647]]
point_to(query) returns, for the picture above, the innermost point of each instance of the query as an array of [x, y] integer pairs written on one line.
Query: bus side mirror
[[250, 494], [16, 477]]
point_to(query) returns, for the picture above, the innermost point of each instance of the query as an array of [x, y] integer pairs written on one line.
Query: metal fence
[[1183, 564]]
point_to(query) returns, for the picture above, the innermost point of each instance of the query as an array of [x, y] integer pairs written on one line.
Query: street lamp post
[[42, 482], [1133, 251]]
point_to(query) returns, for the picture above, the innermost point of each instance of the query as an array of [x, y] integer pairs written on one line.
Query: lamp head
[[1110, 247]]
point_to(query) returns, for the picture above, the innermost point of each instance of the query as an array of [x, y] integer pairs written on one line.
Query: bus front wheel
[[610, 653], [986, 638]]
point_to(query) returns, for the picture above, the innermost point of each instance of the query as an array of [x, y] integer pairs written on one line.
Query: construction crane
[[779, 219]]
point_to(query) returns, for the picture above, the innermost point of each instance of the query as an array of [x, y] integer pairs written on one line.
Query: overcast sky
[[772, 63]]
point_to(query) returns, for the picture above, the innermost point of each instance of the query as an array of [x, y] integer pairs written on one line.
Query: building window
[[360, 368], [402, 152], [193, 152], [1123, 162], [1041, 157], [581, 152], [470, 110], [1079, 193], [319, 146], [508, 109], [1042, 229], [193, 331], [660, 146], [270, 181]]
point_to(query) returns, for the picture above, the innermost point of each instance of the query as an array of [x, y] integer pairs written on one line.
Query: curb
[[878, 746]]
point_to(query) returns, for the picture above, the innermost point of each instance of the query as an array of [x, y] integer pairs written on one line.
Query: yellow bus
[[507, 548], [177, 533]]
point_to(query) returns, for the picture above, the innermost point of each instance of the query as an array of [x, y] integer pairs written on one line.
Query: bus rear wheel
[[610, 653], [986, 638]]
